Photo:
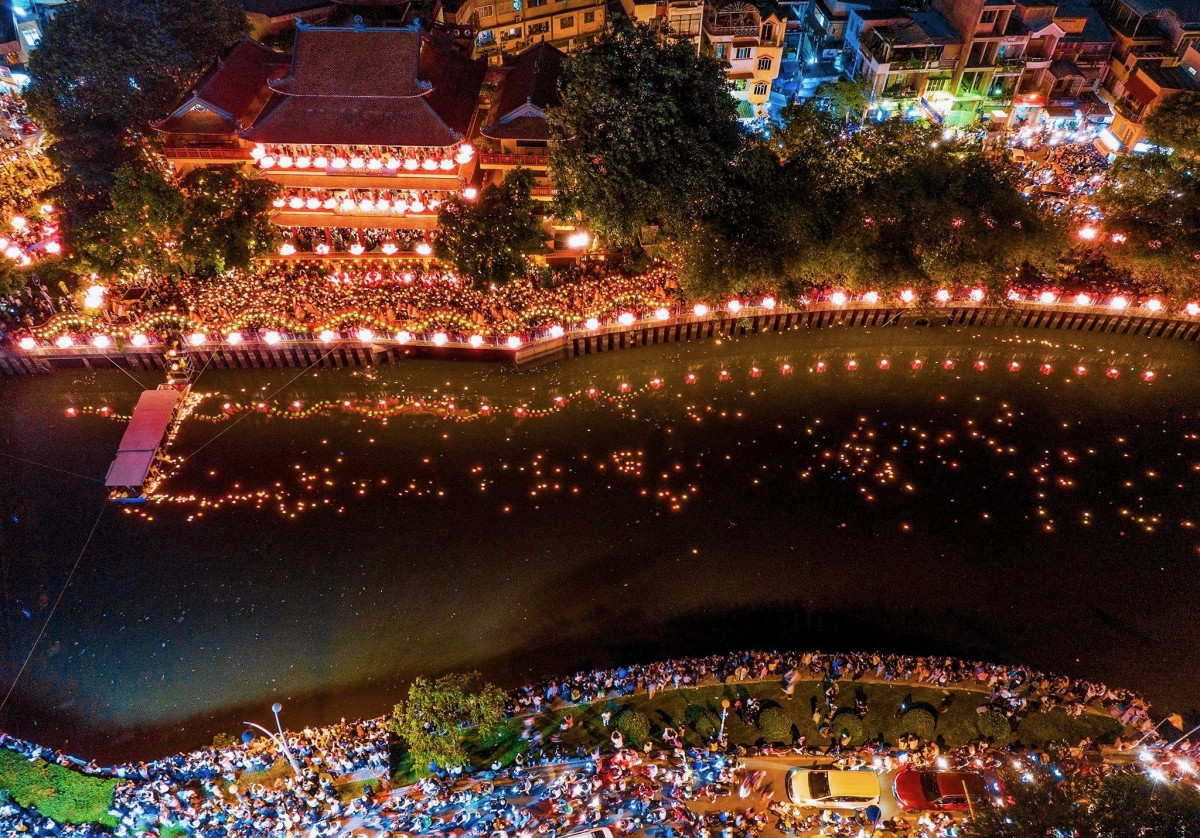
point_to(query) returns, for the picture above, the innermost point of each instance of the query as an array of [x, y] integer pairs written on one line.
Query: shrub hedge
[[775, 725], [634, 726], [56, 792], [919, 722]]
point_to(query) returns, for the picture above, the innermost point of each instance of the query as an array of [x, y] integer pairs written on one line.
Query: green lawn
[[62, 794], [699, 709]]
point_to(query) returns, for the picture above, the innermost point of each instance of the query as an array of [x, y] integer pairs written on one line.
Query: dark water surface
[[329, 539]]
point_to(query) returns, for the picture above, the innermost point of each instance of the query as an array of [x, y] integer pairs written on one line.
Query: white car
[[820, 789]]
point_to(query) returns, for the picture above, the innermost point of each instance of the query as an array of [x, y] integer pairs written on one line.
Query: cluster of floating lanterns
[[444, 160]]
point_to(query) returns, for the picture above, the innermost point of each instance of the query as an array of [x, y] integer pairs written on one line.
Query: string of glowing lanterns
[[335, 161], [446, 407], [371, 328]]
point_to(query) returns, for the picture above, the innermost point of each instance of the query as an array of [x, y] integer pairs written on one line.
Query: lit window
[[567, 22], [761, 88], [764, 63], [741, 53], [589, 17]]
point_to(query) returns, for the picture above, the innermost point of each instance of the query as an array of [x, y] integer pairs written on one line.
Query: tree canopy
[[646, 126], [210, 221], [1117, 806], [878, 207], [488, 239], [438, 716], [105, 68], [1174, 123], [1151, 207]]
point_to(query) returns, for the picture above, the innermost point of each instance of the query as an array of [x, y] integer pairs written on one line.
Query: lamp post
[[278, 738], [724, 713]]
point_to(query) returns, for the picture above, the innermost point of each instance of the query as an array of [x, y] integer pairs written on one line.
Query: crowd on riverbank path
[[662, 791]]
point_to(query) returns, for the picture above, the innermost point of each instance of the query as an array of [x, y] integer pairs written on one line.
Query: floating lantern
[[102, 341], [1192, 309], [266, 162], [1082, 300], [942, 295], [884, 364], [1045, 369], [470, 193], [27, 343], [197, 338], [948, 364], [285, 161], [446, 164], [820, 367], [838, 298], [907, 295], [661, 314], [700, 309], [357, 162], [374, 164], [411, 164], [871, 297], [1081, 370], [303, 162], [1148, 375], [389, 248], [514, 342], [313, 203], [322, 249], [287, 249], [557, 331], [320, 162], [423, 249], [139, 340], [272, 337], [429, 164], [1153, 304], [233, 338], [357, 249], [626, 318], [476, 341], [917, 363], [981, 365], [296, 203], [1013, 366], [1046, 297], [53, 247], [338, 163], [768, 303], [976, 295], [785, 369], [364, 334], [403, 337], [592, 324], [63, 341], [416, 206], [257, 153], [734, 306], [1118, 302], [1112, 372], [440, 338]]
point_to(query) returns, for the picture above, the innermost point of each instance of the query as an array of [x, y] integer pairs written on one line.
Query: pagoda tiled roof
[[529, 89], [370, 86], [230, 93]]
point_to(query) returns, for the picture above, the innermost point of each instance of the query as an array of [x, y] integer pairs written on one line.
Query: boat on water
[[139, 456]]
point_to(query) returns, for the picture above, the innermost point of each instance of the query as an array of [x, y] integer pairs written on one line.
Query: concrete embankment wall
[[305, 353]]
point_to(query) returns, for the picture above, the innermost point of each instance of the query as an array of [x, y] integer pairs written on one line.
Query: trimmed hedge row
[[56, 792]]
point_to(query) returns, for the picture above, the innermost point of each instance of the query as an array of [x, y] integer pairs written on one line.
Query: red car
[[941, 790]]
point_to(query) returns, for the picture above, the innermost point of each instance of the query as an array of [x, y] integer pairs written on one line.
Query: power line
[[54, 608]]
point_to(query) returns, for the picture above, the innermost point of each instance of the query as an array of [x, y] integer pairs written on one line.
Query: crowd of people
[[666, 788], [1062, 170]]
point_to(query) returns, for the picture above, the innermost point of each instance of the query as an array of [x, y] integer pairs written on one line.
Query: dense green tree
[[1043, 807], [845, 98], [1151, 207], [488, 239], [228, 219], [1119, 806], [435, 720], [210, 221], [105, 68], [140, 232], [645, 128], [1175, 123]]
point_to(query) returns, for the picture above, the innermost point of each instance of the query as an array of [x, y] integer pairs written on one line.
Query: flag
[[1176, 721]]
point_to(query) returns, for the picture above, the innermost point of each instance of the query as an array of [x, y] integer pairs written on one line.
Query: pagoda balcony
[[230, 155], [491, 160]]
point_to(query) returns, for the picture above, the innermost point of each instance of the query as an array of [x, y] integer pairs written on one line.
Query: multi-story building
[[365, 128], [990, 63], [1144, 89], [749, 39], [271, 17], [906, 61], [683, 18], [1152, 41], [500, 27], [823, 32], [1066, 61]]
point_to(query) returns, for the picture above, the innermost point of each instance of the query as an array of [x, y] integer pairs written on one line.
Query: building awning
[[1061, 112], [745, 110], [129, 469]]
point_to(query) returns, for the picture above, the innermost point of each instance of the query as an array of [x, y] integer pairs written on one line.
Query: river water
[[328, 535]]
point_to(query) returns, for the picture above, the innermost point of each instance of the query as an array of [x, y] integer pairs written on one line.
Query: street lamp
[[278, 738], [724, 713]]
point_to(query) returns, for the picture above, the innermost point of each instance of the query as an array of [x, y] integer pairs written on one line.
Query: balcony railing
[[206, 153], [543, 191], [528, 161]]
